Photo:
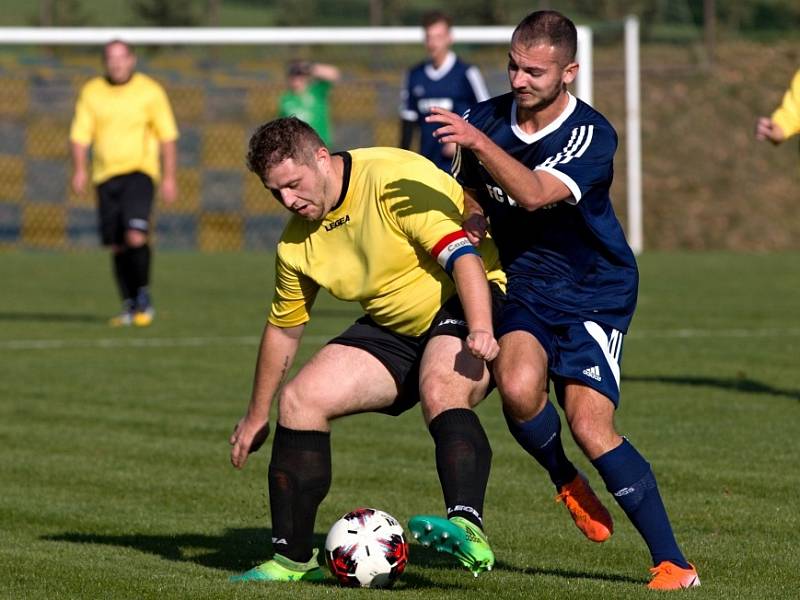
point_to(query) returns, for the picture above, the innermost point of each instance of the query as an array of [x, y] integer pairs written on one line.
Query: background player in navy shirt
[[539, 164], [443, 81]]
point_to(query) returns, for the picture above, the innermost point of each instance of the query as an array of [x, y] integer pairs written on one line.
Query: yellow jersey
[[787, 115], [124, 124], [388, 244]]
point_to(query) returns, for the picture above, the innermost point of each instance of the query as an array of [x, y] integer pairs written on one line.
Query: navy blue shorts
[[584, 351]]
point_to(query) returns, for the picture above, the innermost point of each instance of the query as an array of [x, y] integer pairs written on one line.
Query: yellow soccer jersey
[[787, 115], [388, 244], [124, 124]]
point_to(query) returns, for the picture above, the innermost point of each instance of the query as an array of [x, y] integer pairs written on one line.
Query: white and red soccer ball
[[366, 548]]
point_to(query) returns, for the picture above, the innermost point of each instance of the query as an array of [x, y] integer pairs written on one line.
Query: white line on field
[[196, 342]]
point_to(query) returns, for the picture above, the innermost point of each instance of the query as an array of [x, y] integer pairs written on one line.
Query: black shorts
[[401, 354], [124, 202]]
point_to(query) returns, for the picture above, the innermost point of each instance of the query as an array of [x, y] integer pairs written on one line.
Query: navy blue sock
[[541, 438], [630, 479]]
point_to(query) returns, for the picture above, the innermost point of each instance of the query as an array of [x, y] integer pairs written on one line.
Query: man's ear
[[569, 73]]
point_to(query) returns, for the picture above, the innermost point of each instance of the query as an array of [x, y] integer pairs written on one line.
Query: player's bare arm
[[80, 175], [475, 223], [469, 275], [169, 161], [275, 357], [530, 189]]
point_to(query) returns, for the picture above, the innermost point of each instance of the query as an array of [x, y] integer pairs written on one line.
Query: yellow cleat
[[144, 318]]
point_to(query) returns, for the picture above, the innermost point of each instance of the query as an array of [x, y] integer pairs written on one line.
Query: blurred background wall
[[708, 70]]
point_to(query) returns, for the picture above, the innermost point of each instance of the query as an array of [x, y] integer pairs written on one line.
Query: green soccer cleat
[[281, 568], [455, 536]]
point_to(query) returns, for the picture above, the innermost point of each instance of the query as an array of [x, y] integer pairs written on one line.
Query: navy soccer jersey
[[571, 256], [454, 86]]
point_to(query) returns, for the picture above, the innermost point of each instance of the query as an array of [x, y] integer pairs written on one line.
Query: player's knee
[[135, 238], [293, 405], [437, 395], [520, 389], [593, 435]]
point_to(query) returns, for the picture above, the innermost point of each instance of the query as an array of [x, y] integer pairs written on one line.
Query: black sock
[[299, 479], [139, 258], [463, 459], [122, 276]]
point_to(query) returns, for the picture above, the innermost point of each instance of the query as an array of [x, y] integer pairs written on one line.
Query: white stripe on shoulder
[[575, 138], [478, 84], [455, 166]]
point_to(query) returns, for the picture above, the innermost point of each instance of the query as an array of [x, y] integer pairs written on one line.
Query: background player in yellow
[[126, 119], [382, 227], [785, 120]]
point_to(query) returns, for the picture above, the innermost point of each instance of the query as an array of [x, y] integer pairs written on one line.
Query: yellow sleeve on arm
[[426, 210], [162, 117], [294, 296], [787, 115], [82, 129]]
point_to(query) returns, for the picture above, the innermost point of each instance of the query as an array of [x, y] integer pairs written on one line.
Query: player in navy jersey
[[443, 81], [538, 164]]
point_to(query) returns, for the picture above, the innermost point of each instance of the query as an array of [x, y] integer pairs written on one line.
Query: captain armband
[[450, 247]]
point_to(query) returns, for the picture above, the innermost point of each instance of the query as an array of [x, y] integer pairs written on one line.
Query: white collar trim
[[436, 74], [530, 138]]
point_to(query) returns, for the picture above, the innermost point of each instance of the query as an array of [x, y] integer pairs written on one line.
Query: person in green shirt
[[306, 98]]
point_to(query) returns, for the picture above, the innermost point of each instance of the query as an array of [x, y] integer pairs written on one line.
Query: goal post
[[231, 36], [378, 36]]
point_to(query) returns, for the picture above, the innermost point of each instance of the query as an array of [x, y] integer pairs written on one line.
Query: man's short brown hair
[[436, 16], [547, 27], [280, 139]]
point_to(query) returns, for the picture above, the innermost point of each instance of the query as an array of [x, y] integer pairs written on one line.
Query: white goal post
[[206, 36]]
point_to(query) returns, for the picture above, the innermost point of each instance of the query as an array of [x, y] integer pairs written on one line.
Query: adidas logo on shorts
[[593, 372]]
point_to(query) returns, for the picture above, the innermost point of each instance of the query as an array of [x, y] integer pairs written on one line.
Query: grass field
[[114, 474]]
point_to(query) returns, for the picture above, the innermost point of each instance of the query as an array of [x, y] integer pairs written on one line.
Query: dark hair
[[280, 139], [298, 67], [114, 42], [549, 27], [436, 16]]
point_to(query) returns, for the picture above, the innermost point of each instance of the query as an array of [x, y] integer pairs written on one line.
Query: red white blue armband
[[450, 247]]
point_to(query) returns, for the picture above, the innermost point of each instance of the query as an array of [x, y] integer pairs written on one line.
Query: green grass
[[114, 474]]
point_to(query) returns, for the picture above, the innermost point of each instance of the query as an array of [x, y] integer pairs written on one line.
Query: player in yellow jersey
[[381, 227], [785, 120], [126, 119]]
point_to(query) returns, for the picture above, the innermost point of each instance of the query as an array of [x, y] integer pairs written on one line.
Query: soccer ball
[[366, 548]]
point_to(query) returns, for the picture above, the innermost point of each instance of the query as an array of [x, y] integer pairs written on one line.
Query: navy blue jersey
[[572, 255], [454, 86]]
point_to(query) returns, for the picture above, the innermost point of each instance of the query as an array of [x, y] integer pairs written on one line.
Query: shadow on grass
[[48, 317], [741, 383], [240, 549], [568, 573]]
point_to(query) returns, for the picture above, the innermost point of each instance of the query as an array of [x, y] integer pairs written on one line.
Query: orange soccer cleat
[[669, 576], [586, 510]]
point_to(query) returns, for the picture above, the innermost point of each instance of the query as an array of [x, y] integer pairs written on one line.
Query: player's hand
[[767, 129], [169, 189], [79, 181], [475, 227], [247, 437], [454, 129], [481, 344]]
